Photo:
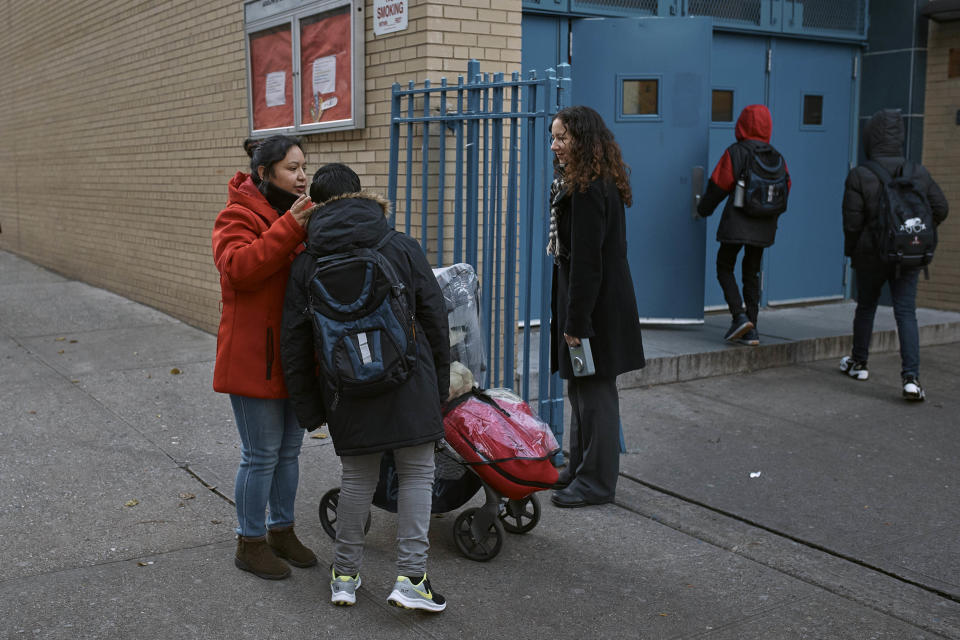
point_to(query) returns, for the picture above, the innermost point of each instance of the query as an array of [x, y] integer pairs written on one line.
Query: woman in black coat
[[592, 297]]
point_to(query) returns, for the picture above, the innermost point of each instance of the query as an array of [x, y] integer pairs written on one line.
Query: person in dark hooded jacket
[[737, 229], [405, 419], [883, 137]]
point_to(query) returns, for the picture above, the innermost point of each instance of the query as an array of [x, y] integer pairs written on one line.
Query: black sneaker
[[854, 368], [750, 338], [741, 324], [912, 389]]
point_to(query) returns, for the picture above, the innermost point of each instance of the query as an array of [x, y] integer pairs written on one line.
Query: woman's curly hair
[[593, 152]]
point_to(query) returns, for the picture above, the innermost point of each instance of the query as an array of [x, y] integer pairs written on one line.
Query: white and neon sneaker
[[343, 589], [854, 368], [416, 595]]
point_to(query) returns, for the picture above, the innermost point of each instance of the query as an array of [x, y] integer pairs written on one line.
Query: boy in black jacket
[[404, 419], [738, 229], [883, 139]]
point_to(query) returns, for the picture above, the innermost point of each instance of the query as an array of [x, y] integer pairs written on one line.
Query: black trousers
[[750, 273], [594, 437]]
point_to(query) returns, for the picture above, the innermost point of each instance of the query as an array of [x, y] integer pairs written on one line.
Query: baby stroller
[[493, 441]]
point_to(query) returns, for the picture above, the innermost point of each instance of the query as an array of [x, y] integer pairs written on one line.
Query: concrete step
[[787, 336]]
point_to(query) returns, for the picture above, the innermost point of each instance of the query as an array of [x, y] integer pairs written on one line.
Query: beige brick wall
[[122, 122], [941, 155]]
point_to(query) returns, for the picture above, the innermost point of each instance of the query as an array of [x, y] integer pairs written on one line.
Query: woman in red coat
[[255, 239]]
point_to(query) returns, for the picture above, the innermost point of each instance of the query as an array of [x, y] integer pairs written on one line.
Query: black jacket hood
[[347, 221], [883, 135]]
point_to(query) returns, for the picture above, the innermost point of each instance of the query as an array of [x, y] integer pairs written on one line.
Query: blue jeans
[[270, 440], [903, 289]]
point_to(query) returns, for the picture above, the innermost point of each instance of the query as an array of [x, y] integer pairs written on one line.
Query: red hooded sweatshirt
[[754, 123], [253, 248]]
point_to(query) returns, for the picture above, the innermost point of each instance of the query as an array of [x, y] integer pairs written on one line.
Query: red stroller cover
[[496, 433]]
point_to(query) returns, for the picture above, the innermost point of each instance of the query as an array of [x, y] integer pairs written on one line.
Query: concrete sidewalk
[[790, 502]]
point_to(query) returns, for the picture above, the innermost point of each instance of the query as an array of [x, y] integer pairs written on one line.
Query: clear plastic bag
[[461, 291]]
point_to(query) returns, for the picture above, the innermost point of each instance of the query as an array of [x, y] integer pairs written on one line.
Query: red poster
[[271, 77], [325, 67]]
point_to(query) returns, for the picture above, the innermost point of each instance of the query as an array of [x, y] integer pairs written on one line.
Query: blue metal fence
[[492, 135]]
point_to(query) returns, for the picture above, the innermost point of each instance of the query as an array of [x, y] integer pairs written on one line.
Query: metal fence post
[[394, 149], [541, 202], [473, 160], [409, 184]]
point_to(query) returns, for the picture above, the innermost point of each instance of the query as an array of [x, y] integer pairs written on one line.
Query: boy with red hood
[[737, 228]]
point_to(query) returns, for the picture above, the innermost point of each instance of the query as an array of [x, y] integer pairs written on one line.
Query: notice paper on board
[[325, 75], [276, 94]]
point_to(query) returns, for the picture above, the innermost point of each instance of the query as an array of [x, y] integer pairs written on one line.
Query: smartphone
[[581, 357]]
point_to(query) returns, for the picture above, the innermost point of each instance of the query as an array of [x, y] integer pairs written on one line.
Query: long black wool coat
[[592, 293]]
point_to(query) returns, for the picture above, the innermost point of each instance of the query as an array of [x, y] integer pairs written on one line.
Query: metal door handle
[[696, 187]]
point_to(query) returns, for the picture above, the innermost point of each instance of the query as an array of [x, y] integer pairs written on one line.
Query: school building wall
[[941, 155], [122, 123]]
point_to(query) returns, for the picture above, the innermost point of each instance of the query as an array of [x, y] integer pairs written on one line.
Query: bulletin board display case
[[304, 65]]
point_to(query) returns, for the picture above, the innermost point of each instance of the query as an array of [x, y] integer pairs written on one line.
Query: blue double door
[[671, 89], [650, 81], [810, 89]]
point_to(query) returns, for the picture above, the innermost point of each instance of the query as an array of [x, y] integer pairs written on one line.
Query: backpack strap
[[385, 239], [879, 170], [397, 286], [751, 150], [754, 148]]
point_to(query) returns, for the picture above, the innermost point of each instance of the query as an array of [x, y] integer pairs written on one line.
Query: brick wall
[[941, 155], [122, 122]]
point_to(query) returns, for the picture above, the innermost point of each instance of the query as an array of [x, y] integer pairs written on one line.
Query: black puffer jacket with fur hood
[[406, 416]]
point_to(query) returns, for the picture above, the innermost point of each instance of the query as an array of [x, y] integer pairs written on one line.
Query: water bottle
[[739, 192]]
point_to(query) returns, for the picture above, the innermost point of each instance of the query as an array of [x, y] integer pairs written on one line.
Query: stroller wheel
[[328, 513], [520, 516], [476, 539]]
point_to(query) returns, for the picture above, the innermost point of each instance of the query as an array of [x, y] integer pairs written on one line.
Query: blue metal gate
[[470, 167]]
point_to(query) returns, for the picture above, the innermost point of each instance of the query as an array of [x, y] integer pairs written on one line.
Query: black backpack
[[905, 232], [764, 182], [362, 325]]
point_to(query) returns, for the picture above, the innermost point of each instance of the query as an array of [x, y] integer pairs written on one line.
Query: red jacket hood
[[754, 123], [243, 192]]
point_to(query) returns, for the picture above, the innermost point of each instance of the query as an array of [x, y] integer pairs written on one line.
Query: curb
[[682, 368], [744, 359]]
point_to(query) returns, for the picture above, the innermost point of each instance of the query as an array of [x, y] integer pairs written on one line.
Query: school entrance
[[670, 78]]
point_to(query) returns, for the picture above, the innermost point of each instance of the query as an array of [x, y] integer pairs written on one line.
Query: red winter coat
[[253, 247]]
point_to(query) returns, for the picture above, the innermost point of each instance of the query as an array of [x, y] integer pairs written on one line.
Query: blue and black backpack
[[363, 327], [764, 179]]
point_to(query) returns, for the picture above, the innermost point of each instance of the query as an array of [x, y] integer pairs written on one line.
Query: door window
[[639, 98], [722, 105], [812, 110]]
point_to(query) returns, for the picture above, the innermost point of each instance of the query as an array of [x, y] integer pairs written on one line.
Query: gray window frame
[[265, 14]]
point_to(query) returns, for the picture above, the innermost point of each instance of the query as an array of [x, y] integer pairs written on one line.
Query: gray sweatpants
[[414, 498]]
